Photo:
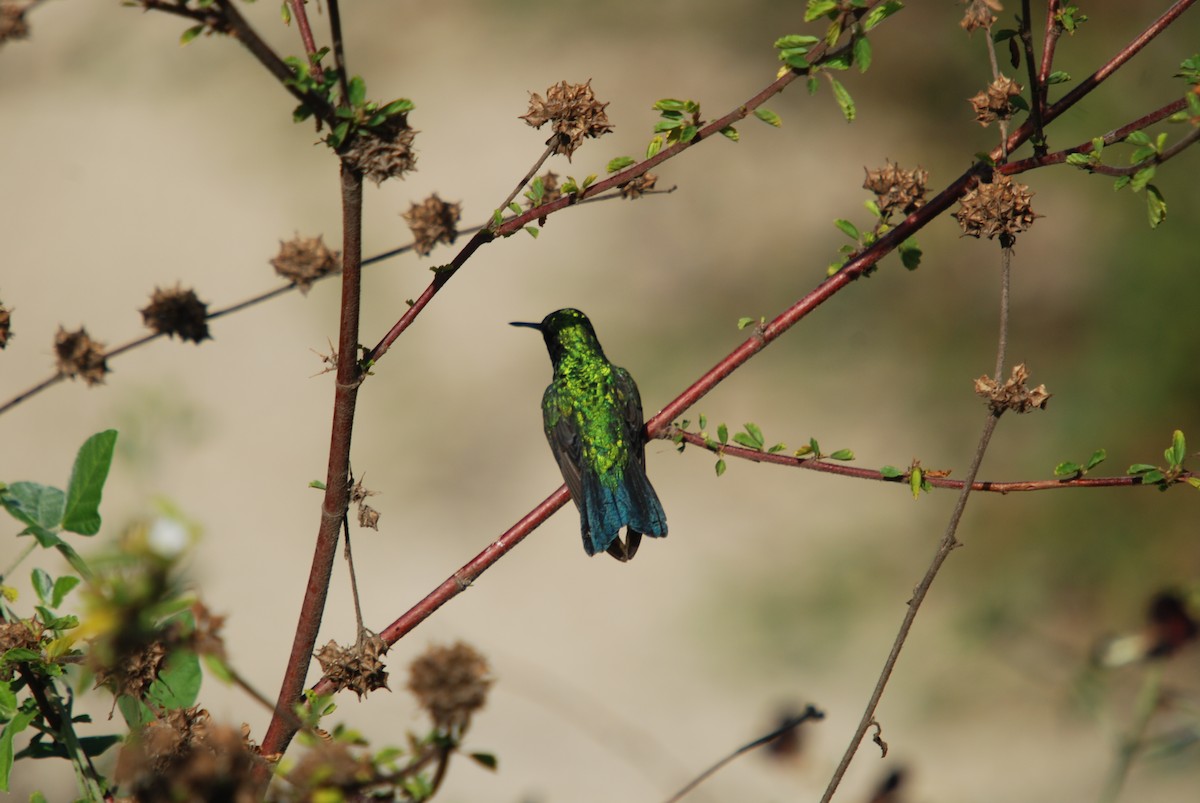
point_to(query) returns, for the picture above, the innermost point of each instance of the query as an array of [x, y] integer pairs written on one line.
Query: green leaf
[[190, 34], [39, 506], [318, 484], [620, 163], [1098, 457], [1141, 468], [1138, 138], [43, 585], [533, 231], [398, 106], [514, 207], [722, 433], [1141, 178], [729, 132], [1151, 477], [1080, 159], [1058, 77], [847, 228], [779, 447], [842, 454], [744, 322], [1194, 482], [819, 8], [795, 42], [285, 13], [667, 125], [720, 467], [769, 117], [485, 760], [1121, 182], [703, 422], [688, 133], [218, 668], [910, 254], [743, 439], [880, 13], [914, 482], [357, 91], [862, 53], [891, 472], [1176, 453], [844, 100], [135, 713], [87, 483], [73, 557], [670, 105], [17, 724], [654, 147], [1067, 469], [756, 434], [1002, 35], [1156, 206], [338, 135], [178, 684]]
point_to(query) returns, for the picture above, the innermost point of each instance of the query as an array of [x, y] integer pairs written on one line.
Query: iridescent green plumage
[[593, 420]]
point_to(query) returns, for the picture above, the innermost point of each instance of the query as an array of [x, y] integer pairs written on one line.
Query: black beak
[[537, 326]]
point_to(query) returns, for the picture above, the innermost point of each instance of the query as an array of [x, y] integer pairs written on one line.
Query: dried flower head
[[132, 672], [359, 668], [177, 312], [183, 756], [304, 260], [367, 515], [206, 638], [574, 112], [979, 14], [451, 683], [897, 190], [995, 103], [5, 325], [1013, 394], [636, 187], [332, 771], [12, 21], [79, 355], [1001, 208], [23, 634], [432, 221], [383, 152]]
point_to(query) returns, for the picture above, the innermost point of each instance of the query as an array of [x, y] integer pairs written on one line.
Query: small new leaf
[[891, 472], [620, 163], [720, 467], [844, 101], [842, 454], [722, 433], [769, 117], [1098, 457], [847, 228], [1068, 470]]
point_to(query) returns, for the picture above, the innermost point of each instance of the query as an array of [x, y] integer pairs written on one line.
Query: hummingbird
[[592, 415]]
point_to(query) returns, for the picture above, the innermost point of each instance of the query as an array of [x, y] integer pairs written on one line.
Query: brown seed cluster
[[897, 190], [177, 312], [383, 152], [5, 325], [999, 209], [12, 21], [432, 221], [451, 683], [574, 113], [1013, 394], [979, 14], [79, 355], [183, 756], [636, 187], [23, 634], [329, 770], [132, 672], [303, 260], [367, 515], [996, 102], [359, 668]]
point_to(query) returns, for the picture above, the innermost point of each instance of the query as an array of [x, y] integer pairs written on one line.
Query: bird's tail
[[632, 503]]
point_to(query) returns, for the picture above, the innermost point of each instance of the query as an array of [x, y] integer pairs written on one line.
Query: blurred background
[[128, 162]]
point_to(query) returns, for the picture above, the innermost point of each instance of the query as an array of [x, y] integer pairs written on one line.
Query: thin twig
[[1037, 89], [793, 722], [947, 545], [300, 15], [843, 470], [339, 55]]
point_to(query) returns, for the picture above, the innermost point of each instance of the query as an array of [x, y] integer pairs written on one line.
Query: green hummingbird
[[592, 415]]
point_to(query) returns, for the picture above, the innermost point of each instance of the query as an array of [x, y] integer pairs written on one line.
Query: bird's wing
[[563, 437], [627, 392]]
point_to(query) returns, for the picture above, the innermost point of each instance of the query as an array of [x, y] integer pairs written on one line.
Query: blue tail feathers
[[632, 503]]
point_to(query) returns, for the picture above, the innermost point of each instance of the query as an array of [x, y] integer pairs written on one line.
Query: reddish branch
[[843, 470], [333, 508]]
